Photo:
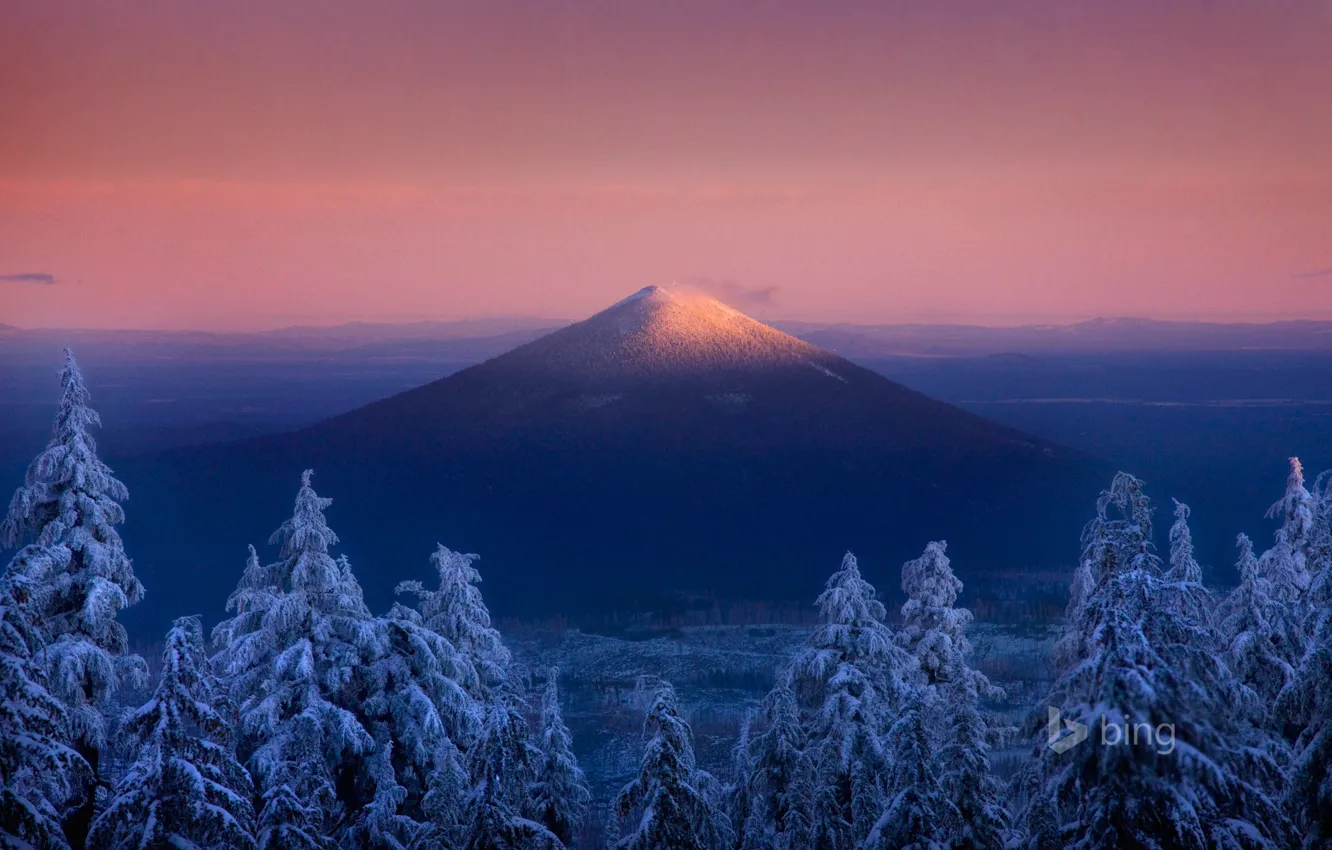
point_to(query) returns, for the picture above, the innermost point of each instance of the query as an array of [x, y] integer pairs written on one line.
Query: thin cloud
[[735, 294], [39, 278], [1315, 273]]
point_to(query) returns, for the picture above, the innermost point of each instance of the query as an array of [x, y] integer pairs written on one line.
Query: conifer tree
[[444, 807], [1147, 664], [964, 774], [1043, 828], [1289, 567], [919, 815], [1306, 701], [559, 795], [934, 631], [481, 668], [1183, 566], [850, 682], [291, 810], [457, 611], [739, 801], [666, 805], [780, 787], [496, 823], [380, 825], [185, 788], [295, 656], [39, 768], [79, 575], [1261, 638], [418, 697]]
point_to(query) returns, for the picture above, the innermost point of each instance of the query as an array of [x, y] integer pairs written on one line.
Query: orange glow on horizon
[[260, 165]]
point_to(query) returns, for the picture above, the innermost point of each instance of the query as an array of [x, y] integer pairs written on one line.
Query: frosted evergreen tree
[[1288, 561], [418, 697], [185, 788], [919, 816], [738, 799], [80, 576], [850, 682], [1261, 636], [666, 807], [1070, 648], [932, 629], [559, 795], [380, 825], [1126, 538], [1043, 828], [964, 766], [39, 768], [291, 811], [1191, 604], [1149, 665], [510, 737], [1306, 701], [1320, 533], [457, 611], [780, 787], [295, 654], [444, 807], [496, 822], [1183, 566]]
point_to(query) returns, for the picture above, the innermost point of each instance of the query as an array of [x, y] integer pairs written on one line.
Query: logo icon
[[1058, 741]]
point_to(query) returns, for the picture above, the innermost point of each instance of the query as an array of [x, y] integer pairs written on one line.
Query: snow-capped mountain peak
[[665, 331]]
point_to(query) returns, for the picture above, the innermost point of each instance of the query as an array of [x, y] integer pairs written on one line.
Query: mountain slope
[[668, 445]]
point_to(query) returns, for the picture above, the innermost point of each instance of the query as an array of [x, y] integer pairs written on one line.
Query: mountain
[[666, 446]]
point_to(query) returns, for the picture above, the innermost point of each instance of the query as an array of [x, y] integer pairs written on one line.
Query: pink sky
[[251, 164]]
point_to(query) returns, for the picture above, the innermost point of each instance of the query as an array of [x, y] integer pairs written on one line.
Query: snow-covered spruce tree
[[380, 825], [932, 629], [81, 578], [483, 668], [780, 787], [935, 633], [418, 699], [850, 682], [964, 773], [457, 611], [666, 805], [1261, 637], [495, 822], [919, 815], [296, 793], [559, 795], [38, 767], [444, 807], [185, 788], [1306, 701], [1043, 830], [1183, 566], [738, 801], [1320, 533], [294, 658], [511, 760], [1287, 562], [1147, 665]]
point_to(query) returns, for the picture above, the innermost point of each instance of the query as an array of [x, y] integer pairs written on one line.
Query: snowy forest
[[1181, 715]]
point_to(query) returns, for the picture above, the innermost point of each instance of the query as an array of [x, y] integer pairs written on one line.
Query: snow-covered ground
[[720, 673]]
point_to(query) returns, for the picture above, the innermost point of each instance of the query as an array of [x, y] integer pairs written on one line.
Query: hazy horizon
[[537, 321]]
